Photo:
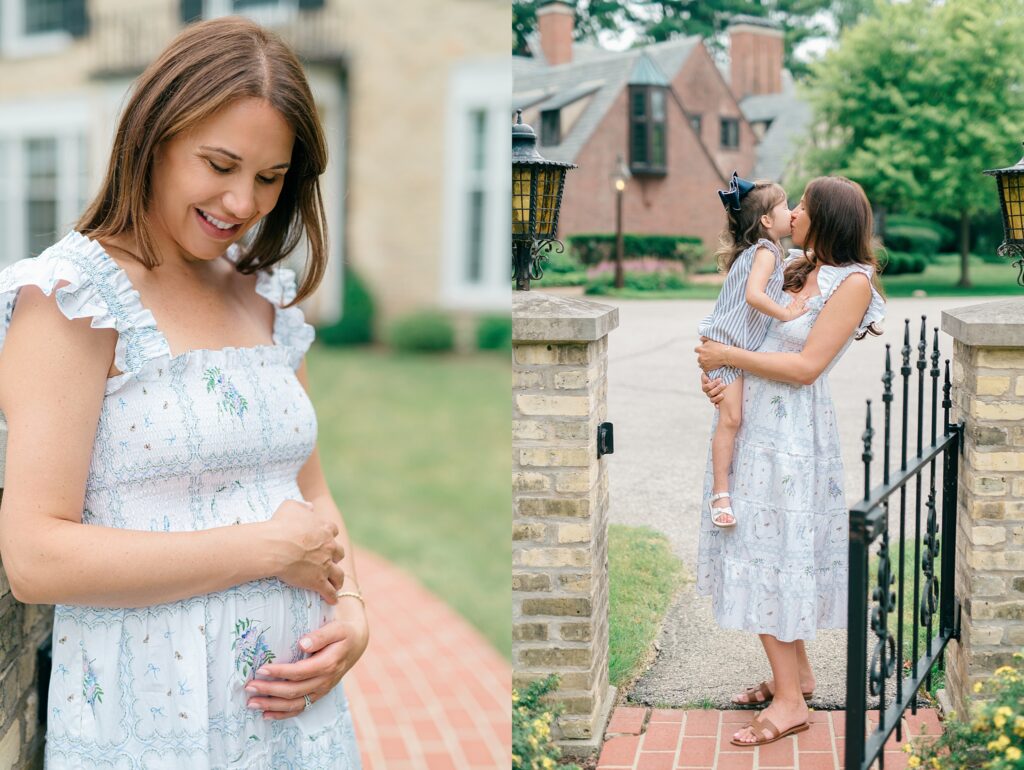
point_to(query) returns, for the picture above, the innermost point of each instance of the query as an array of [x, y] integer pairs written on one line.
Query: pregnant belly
[[179, 667]]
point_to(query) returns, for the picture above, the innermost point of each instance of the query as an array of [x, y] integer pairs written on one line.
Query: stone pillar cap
[[998, 324], [541, 317]]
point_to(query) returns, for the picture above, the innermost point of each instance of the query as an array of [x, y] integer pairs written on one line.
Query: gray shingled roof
[[790, 117], [612, 68]]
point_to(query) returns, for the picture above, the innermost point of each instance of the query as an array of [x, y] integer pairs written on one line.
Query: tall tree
[[918, 99]]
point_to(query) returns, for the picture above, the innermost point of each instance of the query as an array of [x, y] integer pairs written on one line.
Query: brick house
[[408, 101], [680, 124]]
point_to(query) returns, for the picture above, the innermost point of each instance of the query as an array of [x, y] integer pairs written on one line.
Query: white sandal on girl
[[717, 513]]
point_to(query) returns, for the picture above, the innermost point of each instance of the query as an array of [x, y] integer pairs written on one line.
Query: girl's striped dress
[[732, 321]]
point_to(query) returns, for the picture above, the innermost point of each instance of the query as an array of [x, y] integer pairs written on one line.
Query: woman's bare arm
[[314, 488], [51, 395], [835, 324]]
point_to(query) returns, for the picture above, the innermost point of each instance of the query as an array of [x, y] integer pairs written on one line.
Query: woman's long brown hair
[[840, 232], [205, 68]]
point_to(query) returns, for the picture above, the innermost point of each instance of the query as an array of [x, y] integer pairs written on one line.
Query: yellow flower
[[548, 763], [1018, 726], [907, 748], [999, 743], [1013, 753], [1004, 710], [999, 721], [914, 761], [977, 687], [1005, 670], [934, 762]]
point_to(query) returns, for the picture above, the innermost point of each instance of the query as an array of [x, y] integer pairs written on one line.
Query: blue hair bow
[[737, 189]]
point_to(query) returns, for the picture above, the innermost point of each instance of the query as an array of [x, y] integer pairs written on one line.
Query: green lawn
[[643, 575], [415, 449], [940, 278]]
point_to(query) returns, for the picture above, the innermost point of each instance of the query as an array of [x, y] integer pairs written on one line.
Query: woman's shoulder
[[831, 277]]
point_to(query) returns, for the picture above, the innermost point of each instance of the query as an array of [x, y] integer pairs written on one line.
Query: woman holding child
[[773, 544]]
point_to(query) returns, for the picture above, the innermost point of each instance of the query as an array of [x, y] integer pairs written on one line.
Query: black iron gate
[[934, 552]]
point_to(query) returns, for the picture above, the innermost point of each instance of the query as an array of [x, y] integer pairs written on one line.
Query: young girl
[[757, 217]]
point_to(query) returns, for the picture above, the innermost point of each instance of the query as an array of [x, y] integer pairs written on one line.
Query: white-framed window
[[33, 27], [476, 249], [44, 175], [265, 12]]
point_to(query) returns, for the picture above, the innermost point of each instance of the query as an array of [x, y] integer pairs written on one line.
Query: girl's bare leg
[[730, 412], [787, 709]]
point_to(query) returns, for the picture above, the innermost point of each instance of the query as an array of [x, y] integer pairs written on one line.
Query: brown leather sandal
[[766, 732], [766, 695]]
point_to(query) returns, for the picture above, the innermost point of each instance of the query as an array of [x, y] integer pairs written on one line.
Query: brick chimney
[[755, 56], [555, 22]]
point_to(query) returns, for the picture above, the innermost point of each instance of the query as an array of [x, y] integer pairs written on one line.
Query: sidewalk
[[667, 739], [430, 693]]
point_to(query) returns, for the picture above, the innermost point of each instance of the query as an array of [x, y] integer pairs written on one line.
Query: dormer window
[[550, 127], [730, 133], [647, 135]]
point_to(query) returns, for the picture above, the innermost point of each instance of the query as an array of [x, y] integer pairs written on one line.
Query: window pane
[[475, 237], [638, 143], [695, 122], [639, 99], [550, 127], [657, 104], [41, 198], [730, 132], [43, 16], [658, 144], [242, 5]]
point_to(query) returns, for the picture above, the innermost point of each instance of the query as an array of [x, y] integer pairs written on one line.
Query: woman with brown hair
[[781, 572], [163, 487]]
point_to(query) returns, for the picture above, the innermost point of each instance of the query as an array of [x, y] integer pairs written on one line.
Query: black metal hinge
[[605, 439]]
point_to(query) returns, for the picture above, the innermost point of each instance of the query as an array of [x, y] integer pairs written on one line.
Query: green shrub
[[661, 280], [946, 236], [426, 331], [901, 263], [355, 327], [532, 745], [916, 240], [595, 248], [559, 261], [576, 278], [991, 739], [494, 332]]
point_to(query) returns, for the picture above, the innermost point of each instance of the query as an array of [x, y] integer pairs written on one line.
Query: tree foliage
[[917, 99]]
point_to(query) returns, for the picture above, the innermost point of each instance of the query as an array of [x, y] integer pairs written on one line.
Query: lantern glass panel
[[549, 180], [1011, 188], [521, 176]]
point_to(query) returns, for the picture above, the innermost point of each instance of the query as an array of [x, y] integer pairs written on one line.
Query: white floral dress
[[185, 442], [782, 570]]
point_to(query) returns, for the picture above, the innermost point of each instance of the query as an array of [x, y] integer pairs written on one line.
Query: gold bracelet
[[339, 594]]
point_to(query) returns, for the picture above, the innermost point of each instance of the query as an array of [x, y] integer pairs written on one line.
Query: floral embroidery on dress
[[787, 484], [91, 690], [833, 488], [778, 407], [251, 650], [231, 401]]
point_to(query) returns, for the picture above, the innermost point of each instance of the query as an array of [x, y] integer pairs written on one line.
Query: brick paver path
[[430, 693], [670, 739]]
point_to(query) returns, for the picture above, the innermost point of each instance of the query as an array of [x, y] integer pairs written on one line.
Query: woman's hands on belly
[[333, 649]]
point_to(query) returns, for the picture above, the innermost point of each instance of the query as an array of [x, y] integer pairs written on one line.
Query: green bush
[[661, 280], [947, 237], [532, 745], [901, 263], [991, 739], [595, 248], [426, 331], [916, 240], [576, 278], [559, 261], [494, 332], [355, 327]]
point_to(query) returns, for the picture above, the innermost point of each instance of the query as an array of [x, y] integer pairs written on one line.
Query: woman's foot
[[783, 715], [764, 692]]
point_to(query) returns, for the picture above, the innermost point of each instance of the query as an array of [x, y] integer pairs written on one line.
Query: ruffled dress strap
[[830, 278], [87, 283], [278, 286]]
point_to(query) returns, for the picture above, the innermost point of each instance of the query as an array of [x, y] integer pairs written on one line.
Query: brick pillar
[[988, 393], [560, 506], [22, 629]]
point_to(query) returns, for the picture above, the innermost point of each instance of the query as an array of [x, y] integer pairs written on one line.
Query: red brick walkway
[[667, 739], [430, 693]]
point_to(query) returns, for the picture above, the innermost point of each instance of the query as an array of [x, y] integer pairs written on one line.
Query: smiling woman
[[173, 507]]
